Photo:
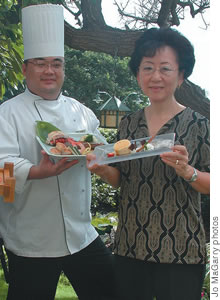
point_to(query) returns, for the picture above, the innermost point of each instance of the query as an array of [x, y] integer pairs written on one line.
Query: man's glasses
[[41, 66], [165, 70]]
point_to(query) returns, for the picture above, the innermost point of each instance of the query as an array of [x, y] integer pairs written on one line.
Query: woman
[[160, 240]]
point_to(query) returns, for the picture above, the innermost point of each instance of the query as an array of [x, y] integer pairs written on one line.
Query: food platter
[[76, 136], [160, 144], [58, 144]]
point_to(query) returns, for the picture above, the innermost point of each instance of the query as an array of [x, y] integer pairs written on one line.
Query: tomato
[[111, 154]]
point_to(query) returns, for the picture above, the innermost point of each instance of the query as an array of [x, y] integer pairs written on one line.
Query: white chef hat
[[43, 31]]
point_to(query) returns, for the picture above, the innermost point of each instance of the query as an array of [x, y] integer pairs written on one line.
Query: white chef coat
[[49, 217]]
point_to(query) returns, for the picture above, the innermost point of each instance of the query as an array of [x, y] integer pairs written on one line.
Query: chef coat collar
[[37, 97]]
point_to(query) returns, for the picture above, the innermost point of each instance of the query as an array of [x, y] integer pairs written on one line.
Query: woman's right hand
[[95, 168], [108, 174]]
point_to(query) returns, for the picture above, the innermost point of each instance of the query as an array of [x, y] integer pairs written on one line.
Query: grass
[[3, 285], [104, 219], [65, 290]]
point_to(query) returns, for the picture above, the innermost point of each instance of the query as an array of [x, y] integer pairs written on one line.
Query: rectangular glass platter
[[76, 136], [162, 143]]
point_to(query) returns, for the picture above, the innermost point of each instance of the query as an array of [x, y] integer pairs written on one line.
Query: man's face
[[44, 76]]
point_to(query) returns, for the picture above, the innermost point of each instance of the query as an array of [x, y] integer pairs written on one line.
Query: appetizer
[[125, 147], [61, 143], [122, 147], [91, 139], [56, 136], [66, 145]]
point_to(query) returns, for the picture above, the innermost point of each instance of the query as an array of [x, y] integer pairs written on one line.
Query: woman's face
[[159, 76]]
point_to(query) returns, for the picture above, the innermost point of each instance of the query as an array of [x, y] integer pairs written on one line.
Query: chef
[[47, 229]]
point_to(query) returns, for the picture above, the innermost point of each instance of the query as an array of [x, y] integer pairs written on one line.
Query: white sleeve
[[9, 152]]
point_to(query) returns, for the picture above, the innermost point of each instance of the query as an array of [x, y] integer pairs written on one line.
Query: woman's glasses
[[164, 70]]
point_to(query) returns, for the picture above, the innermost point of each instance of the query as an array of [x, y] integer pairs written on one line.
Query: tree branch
[[191, 95], [194, 12], [106, 39], [92, 14], [163, 16]]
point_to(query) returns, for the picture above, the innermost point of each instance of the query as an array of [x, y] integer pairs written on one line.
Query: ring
[[177, 162]]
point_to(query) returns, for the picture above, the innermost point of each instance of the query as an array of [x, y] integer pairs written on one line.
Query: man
[[48, 227]]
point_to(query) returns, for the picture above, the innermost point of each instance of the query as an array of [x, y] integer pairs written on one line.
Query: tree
[[88, 72], [91, 30], [10, 47], [92, 33]]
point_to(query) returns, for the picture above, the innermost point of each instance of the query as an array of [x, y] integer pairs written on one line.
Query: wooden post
[[7, 182]]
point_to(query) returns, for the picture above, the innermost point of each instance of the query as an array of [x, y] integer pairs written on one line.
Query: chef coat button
[[83, 190]]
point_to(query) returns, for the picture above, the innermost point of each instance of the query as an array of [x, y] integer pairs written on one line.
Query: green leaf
[[2, 90], [43, 129]]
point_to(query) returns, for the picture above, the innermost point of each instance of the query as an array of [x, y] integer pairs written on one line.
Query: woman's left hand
[[178, 159]]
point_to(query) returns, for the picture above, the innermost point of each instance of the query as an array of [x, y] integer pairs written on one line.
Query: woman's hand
[[47, 168], [107, 173], [95, 168], [178, 159]]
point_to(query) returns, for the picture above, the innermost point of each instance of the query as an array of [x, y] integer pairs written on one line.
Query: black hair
[[155, 38]]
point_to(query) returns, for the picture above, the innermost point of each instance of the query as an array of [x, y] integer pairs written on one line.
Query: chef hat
[[43, 31]]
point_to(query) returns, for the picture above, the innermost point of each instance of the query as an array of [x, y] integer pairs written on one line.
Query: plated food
[[125, 147], [133, 149], [122, 147], [57, 143]]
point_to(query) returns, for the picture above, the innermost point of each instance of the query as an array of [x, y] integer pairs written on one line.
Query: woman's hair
[[155, 38]]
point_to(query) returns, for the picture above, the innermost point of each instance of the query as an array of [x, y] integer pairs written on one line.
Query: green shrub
[[206, 283], [109, 134], [104, 196]]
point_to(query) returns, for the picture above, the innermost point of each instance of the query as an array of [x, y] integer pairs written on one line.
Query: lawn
[[65, 290]]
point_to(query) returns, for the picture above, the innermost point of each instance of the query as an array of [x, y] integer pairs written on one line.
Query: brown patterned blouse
[[159, 212]]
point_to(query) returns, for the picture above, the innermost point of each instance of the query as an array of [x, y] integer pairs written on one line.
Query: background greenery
[[11, 48]]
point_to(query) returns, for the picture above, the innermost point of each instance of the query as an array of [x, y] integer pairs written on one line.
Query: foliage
[[109, 134], [205, 207], [88, 72], [104, 197], [3, 285], [11, 50], [35, 2], [103, 219], [206, 284]]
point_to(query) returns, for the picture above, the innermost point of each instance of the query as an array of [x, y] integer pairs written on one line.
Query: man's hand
[[47, 168]]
